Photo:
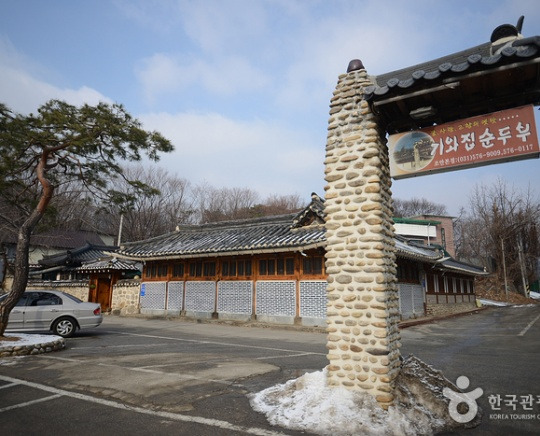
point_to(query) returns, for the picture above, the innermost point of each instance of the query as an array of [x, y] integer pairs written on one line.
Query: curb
[[16, 348], [296, 327], [413, 322]]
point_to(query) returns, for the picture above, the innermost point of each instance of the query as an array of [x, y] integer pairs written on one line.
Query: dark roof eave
[[459, 267], [238, 252], [436, 261], [382, 96]]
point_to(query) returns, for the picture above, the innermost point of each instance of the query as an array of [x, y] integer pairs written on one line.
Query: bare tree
[[501, 231], [281, 204], [277, 205], [152, 215], [221, 204], [417, 206]]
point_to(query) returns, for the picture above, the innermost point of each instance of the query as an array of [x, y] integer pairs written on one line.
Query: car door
[[41, 309], [16, 316]]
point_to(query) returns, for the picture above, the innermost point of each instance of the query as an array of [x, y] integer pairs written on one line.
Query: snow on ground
[[21, 339], [535, 295], [492, 302], [503, 304], [307, 404], [25, 339]]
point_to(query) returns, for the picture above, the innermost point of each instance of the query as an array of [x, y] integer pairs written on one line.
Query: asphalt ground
[[154, 376]]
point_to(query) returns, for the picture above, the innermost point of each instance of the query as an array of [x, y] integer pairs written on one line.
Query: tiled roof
[[482, 57], [313, 214], [267, 234], [409, 250], [455, 265], [264, 235], [85, 253], [110, 263], [497, 75]]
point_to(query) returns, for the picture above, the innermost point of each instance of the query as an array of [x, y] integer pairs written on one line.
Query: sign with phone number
[[482, 140]]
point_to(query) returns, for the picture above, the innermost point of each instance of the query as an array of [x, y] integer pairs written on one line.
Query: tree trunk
[[3, 254], [21, 267]]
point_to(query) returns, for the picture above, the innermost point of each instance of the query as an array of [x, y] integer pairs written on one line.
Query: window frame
[[276, 266], [236, 268]]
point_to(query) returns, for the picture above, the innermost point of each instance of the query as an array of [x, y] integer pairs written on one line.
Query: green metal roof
[[415, 221]]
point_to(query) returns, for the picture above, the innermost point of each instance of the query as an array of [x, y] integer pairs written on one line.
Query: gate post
[[362, 310]]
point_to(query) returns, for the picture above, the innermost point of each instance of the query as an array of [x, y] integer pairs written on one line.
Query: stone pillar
[[362, 309]]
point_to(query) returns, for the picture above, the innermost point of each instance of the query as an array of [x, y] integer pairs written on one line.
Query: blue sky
[[242, 87]]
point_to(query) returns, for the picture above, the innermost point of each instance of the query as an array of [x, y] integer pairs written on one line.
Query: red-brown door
[[104, 293]]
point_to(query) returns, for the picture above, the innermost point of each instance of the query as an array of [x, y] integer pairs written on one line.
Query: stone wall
[[449, 308], [19, 348], [363, 309], [77, 288], [125, 298]]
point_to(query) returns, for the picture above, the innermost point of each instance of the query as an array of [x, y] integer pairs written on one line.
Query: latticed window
[[209, 269], [285, 266], [202, 269], [312, 265], [178, 270], [156, 270], [276, 266], [407, 272], [236, 268], [162, 270]]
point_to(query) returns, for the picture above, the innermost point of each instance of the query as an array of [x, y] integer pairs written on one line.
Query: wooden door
[[104, 293]]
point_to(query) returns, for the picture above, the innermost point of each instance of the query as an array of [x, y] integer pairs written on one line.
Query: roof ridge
[[241, 222]]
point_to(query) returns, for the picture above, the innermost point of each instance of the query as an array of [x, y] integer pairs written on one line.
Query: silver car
[[52, 310]]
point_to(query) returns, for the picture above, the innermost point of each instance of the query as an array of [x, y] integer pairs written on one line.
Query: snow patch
[[307, 404], [492, 303], [24, 340]]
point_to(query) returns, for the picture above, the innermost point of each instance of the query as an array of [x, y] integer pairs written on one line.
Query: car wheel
[[64, 327]]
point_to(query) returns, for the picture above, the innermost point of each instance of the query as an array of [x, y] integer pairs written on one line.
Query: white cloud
[[162, 74], [262, 155], [162, 17], [21, 91], [218, 27], [325, 45]]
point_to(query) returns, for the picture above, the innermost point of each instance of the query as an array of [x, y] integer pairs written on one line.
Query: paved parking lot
[[193, 377], [141, 376]]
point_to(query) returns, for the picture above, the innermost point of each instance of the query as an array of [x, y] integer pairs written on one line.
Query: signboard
[[483, 140]]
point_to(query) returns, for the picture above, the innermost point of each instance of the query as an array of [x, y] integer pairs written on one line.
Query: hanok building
[[90, 264], [272, 269], [49, 244]]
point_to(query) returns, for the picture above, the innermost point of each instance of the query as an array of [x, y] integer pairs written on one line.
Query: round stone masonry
[[362, 309]]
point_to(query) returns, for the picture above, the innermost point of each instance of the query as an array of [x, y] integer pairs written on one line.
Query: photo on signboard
[[414, 151]]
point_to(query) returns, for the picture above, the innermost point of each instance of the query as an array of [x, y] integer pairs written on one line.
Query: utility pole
[[120, 229], [522, 267], [504, 269]]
